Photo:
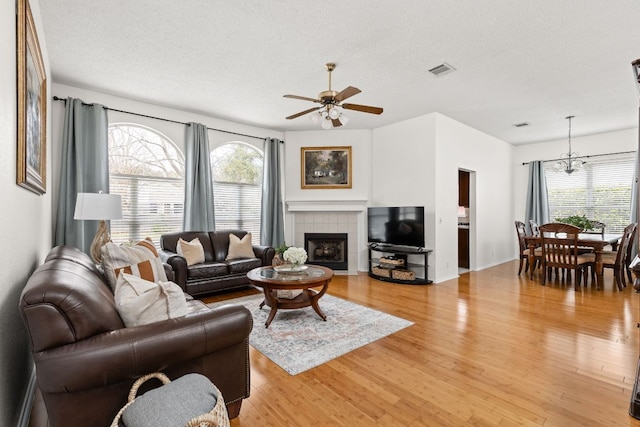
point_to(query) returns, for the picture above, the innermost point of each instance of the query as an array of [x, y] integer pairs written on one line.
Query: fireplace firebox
[[327, 249]]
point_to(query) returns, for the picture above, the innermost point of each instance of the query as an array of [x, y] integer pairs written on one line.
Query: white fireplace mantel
[[326, 205]]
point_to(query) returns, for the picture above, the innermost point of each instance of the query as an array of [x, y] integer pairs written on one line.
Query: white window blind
[[238, 207], [147, 170], [600, 191], [236, 169]]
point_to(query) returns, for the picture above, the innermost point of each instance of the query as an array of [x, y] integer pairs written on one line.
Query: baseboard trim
[[27, 401]]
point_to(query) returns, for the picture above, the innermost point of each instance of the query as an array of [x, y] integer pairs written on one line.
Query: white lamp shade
[[98, 206], [326, 124]]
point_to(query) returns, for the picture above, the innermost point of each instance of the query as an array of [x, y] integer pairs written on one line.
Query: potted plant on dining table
[[579, 221]]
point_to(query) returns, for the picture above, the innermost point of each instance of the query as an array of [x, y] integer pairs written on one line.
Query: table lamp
[[102, 207]]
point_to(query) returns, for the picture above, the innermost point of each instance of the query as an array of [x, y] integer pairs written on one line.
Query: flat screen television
[[396, 226]]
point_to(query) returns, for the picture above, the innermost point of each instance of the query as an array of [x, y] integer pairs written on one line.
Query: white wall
[[459, 146], [416, 162], [403, 172], [25, 223]]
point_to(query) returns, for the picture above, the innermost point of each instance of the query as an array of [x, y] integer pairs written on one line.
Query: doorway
[[466, 220]]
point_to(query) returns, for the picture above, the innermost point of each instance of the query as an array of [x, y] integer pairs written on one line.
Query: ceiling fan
[[331, 100]]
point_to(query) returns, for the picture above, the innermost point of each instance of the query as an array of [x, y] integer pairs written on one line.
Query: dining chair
[[535, 228], [521, 231], [617, 260], [560, 252], [631, 254]]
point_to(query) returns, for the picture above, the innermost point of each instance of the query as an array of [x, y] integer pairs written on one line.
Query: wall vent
[[519, 125], [442, 69]]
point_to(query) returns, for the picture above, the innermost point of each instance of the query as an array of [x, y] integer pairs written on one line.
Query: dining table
[[589, 242]]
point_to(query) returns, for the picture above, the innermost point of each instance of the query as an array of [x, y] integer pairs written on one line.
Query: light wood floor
[[487, 349]]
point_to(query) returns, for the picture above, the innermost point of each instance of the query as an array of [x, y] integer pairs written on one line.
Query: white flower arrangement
[[295, 255]]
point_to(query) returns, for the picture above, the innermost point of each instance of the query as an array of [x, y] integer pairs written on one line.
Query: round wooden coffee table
[[271, 281]]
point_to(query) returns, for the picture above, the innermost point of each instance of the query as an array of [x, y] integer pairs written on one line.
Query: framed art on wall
[[32, 105], [325, 167]]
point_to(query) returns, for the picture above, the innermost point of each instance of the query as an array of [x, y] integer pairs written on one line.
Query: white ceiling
[[517, 61]]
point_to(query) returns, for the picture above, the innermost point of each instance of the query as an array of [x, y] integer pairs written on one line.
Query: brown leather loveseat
[[216, 273], [87, 360]]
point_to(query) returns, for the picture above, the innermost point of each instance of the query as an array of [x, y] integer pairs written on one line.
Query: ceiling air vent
[[441, 69], [519, 125]]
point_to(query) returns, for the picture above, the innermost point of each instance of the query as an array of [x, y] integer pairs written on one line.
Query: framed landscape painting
[[325, 167], [32, 105]]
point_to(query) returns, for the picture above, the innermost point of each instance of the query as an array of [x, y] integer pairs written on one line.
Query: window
[[236, 169], [147, 170], [600, 191]]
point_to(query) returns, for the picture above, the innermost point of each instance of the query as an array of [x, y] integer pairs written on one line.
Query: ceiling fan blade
[[336, 123], [302, 113], [363, 108], [304, 98], [347, 93]]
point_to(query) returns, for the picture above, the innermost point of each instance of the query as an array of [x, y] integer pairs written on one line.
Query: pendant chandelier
[[570, 162]]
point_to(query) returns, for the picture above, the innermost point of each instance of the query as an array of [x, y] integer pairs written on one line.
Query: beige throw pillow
[[140, 301], [140, 259], [191, 251], [240, 248]]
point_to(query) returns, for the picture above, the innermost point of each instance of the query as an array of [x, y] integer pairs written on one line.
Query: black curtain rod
[[585, 157], [56, 98]]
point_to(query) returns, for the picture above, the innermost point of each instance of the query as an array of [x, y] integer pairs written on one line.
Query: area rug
[[298, 340]]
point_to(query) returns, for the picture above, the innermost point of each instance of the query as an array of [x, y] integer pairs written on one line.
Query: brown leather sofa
[[87, 360], [215, 274]]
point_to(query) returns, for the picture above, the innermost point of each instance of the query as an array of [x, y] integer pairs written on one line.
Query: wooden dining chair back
[[630, 253], [617, 260], [521, 232], [535, 228], [560, 253]]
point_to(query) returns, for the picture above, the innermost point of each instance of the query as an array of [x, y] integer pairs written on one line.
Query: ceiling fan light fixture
[[344, 119], [332, 104]]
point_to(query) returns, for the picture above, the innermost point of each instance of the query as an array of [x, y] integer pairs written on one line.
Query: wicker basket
[[216, 418], [379, 271], [392, 261], [403, 274]]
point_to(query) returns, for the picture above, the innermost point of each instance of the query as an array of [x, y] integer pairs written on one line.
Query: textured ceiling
[[516, 61]]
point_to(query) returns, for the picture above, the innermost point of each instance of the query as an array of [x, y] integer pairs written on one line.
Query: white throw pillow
[[140, 301], [191, 251], [240, 248], [140, 259]]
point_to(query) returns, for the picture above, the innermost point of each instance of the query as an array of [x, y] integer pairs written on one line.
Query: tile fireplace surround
[[328, 217]]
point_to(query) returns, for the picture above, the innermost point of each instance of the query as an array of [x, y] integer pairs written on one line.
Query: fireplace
[[327, 249]]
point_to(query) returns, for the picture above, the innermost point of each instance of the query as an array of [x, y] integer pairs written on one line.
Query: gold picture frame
[[32, 105], [325, 167]]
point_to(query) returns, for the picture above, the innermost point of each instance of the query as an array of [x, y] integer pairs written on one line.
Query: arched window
[[236, 169], [147, 169]]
